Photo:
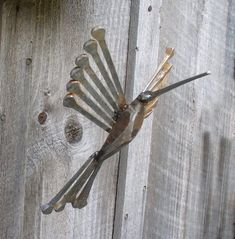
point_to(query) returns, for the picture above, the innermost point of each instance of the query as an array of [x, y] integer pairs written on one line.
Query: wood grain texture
[[134, 161], [36, 160], [15, 78], [191, 173]]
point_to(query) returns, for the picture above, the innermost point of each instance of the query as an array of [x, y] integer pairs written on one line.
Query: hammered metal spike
[[91, 48], [99, 34], [83, 62], [78, 74], [70, 102], [73, 86]]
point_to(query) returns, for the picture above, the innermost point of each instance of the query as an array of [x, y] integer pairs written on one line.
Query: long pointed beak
[[173, 86]]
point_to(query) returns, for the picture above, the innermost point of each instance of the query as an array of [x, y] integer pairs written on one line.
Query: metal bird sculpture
[[106, 107]]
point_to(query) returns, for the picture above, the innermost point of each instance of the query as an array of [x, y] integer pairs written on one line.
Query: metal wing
[[103, 97], [159, 80]]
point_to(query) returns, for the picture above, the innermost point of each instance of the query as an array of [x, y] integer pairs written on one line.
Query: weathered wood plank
[[36, 160], [191, 182], [133, 172], [76, 20], [15, 78]]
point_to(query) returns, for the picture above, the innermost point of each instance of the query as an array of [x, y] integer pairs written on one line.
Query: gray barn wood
[[176, 179]]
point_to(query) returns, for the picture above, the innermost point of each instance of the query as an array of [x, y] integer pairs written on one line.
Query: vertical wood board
[[40, 42], [191, 176]]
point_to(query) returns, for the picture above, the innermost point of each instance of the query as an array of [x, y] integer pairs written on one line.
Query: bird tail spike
[[80, 184], [81, 200]]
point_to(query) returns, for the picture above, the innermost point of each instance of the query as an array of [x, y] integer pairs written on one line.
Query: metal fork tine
[[149, 107], [83, 62], [91, 47], [77, 74], [98, 33], [73, 86], [70, 102], [160, 77], [168, 54]]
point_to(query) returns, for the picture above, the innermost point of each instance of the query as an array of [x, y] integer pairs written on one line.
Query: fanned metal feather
[[71, 102], [151, 105], [159, 80], [109, 99], [83, 62]]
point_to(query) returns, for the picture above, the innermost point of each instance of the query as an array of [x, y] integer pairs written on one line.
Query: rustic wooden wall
[[191, 173], [40, 41], [176, 180]]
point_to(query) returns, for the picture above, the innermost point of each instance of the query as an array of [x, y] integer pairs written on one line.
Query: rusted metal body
[[122, 124]]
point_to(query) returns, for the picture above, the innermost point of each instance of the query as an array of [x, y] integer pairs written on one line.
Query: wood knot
[[28, 61], [73, 131], [42, 117], [2, 117]]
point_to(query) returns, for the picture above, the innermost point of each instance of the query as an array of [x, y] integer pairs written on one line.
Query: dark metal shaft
[[173, 86]]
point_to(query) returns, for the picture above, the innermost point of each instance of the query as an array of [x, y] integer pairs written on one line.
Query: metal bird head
[[145, 96], [102, 101]]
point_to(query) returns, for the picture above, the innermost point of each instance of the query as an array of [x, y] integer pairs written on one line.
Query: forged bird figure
[[108, 109]]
